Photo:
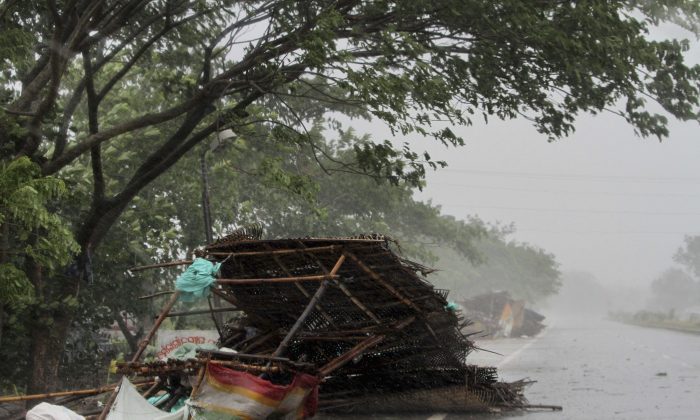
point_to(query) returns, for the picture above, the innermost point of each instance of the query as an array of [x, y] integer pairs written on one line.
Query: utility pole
[[208, 230], [206, 209]]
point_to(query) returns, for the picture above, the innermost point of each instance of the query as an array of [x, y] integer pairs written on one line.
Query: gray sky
[[602, 200]]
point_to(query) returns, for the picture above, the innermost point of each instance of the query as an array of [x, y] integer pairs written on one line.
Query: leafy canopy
[[26, 218]]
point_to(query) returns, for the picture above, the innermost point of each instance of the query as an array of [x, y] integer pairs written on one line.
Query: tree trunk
[[4, 249], [131, 339], [48, 343], [51, 322]]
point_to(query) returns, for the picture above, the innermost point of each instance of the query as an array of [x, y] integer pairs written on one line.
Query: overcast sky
[[602, 200]]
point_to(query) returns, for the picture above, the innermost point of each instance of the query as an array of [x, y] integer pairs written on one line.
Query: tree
[[688, 255], [30, 234], [420, 66], [524, 270], [674, 289]]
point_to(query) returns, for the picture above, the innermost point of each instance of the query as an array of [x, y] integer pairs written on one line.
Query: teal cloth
[[195, 282], [189, 351], [451, 306], [158, 398]]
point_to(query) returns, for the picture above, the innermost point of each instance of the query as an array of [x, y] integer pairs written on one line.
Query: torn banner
[[226, 393]]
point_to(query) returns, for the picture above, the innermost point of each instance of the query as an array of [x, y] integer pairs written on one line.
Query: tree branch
[[93, 127]]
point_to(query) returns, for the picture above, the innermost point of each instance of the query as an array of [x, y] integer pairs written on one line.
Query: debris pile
[[496, 315], [377, 331], [330, 324]]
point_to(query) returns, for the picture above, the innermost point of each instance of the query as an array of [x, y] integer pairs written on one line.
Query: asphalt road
[[597, 369]]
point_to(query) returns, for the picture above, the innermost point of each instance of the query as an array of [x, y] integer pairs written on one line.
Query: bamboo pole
[[299, 287], [156, 325], [360, 348], [85, 392], [161, 265], [376, 277], [200, 377], [142, 348], [110, 401], [350, 354], [276, 252], [167, 292], [347, 292], [153, 390], [307, 311], [228, 355], [357, 303], [276, 280], [201, 312]]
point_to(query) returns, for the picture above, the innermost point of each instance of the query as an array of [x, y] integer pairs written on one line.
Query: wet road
[[599, 369]]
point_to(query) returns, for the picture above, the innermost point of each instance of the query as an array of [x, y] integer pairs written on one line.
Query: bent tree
[[161, 76]]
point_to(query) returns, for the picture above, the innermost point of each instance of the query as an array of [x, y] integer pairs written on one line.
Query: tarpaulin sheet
[[227, 393], [46, 411], [130, 405], [194, 283]]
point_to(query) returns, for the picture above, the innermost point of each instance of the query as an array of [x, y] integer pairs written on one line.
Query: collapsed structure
[[497, 314], [323, 324], [379, 334]]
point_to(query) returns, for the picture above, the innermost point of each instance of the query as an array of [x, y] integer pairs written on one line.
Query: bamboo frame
[[301, 288], [200, 377], [160, 265], [202, 312], [142, 348], [345, 290], [196, 364], [83, 392], [307, 311], [156, 325], [381, 281], [359, 349], [110, 401], [350, 354], [328, 248], [276, 280]]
